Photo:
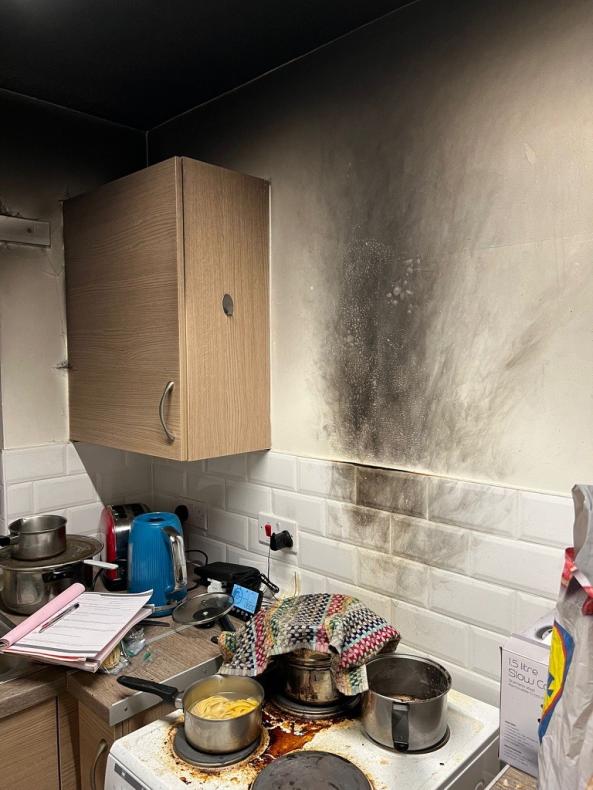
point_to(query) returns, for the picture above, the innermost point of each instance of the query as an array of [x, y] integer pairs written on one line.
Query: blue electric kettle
[[156, 560]]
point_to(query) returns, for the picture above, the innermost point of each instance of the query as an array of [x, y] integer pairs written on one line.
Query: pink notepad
[[82, 638]]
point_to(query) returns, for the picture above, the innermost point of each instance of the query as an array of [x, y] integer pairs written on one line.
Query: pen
[[59, 616]]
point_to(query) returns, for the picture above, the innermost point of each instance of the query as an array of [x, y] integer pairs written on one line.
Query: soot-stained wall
[[46, 155], [432, 238]]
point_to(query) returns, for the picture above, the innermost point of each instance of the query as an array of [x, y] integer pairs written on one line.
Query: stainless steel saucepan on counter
[[405, 707], [36, 538], [25, 586]]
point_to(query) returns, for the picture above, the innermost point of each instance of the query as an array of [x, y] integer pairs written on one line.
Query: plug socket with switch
[[270, 530]]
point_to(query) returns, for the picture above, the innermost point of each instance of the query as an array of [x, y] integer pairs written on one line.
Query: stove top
[[214, 762], [314, 712], [148, 760], [304, 770]]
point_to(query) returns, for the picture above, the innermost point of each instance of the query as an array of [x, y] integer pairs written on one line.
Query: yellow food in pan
[[218, 707]]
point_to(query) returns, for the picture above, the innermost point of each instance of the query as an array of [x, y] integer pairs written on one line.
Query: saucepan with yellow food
[[221, 714]]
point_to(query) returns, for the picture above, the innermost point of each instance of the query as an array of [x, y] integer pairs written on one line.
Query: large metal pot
[[406, 705], [26, 586], [36, 538], [213, 736], [308, 678]]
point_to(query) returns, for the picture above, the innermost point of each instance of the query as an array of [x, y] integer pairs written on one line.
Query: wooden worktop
[[36, 685], [168, 654]]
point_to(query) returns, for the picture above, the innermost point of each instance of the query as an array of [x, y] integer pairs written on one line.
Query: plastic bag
[[566, 726]]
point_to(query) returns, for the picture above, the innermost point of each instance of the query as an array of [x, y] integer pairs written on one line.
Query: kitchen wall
[[47, 154], [71, 480], [455, 566], [431, 258], [432, 251]]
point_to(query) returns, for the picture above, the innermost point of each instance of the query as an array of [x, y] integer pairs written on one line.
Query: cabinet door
[[96, 738], [126, 333], [29, 749], [226, 252]]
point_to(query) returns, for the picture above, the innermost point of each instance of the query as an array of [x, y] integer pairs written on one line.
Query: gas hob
[[147, 760]]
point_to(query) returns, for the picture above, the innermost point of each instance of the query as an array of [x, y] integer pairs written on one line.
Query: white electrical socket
[[198, 514], [278, 524]]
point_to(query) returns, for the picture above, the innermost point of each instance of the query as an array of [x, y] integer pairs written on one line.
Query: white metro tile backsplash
[[481, 561], [72, 480]]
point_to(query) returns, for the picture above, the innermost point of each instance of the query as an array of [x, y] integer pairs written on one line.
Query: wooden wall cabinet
[[168, 312]]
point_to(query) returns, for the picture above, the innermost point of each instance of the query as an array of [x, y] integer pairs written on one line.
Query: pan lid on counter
[[203, 609], [78, 548]]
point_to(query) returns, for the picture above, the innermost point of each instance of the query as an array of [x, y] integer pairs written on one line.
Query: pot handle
[[166, 693], [399, 727]]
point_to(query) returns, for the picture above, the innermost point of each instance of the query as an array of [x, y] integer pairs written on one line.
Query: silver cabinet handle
[[168, 389], [103, 746]]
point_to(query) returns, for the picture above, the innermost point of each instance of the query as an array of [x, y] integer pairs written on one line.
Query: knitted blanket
[[337, 624]]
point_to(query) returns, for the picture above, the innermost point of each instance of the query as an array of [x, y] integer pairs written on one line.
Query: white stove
[[146, 760]]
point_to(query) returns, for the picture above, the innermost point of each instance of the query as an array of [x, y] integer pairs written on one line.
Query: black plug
[[281, 540]]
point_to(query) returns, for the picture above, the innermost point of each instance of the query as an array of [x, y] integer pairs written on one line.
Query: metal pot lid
[[78, 548], [203, 609]]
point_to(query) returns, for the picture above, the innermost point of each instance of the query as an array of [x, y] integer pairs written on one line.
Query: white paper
[[84, 632]]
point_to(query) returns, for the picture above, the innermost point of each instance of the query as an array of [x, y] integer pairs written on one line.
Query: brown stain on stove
[[284, 735]]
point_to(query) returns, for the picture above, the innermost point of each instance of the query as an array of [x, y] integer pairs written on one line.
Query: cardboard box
[[523, 679]]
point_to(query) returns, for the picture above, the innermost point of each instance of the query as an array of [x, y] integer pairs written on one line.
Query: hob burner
[[304, 770], [430, 749], [314, 712], [212, 762]]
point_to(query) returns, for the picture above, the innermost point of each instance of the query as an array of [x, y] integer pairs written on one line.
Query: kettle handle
[[175, 542]]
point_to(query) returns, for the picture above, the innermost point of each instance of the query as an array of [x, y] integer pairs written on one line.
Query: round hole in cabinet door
[[228, 305]]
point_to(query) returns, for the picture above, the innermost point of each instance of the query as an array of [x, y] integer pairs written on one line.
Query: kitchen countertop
[[177, 657], [37, 684]]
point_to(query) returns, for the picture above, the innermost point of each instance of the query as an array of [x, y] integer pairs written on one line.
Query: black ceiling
[[140, 62]]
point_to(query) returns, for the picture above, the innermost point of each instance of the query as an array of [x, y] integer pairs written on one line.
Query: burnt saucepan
[[213, 736], [308, 678], [405, 707]]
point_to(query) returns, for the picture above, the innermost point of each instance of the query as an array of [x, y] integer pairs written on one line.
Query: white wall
[[46, 155], [432, 245], [455, 566]]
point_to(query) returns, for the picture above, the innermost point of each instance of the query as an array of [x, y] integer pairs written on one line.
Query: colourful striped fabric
[[337, 624]]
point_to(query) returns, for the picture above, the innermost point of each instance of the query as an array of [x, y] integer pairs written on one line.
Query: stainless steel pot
[[26, 586], [36, 538], [406, 705], [213, 736], [308, 678]]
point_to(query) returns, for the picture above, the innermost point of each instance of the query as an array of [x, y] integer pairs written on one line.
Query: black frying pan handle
[[166, 693], [4, 540]]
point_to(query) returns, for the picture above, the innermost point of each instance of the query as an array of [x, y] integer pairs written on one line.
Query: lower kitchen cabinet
[[96, 737], [29, 748]]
